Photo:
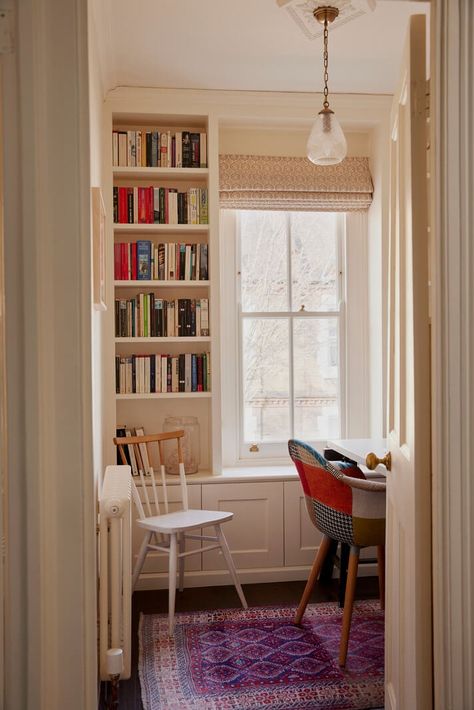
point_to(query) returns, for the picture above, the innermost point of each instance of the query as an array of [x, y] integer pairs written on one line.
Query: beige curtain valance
[[254, 182]]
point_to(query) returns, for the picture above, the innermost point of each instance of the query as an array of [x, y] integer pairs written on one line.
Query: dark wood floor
[[156, 602]]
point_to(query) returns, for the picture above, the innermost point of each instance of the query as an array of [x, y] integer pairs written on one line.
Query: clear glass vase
[[190, 444]]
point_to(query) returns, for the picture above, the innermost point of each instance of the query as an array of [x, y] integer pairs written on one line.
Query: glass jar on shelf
[[189, 442]]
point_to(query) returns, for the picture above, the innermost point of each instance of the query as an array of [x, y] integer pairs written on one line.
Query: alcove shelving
[[162, 206]]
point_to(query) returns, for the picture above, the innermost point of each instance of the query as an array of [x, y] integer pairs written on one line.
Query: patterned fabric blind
[[260, 182]]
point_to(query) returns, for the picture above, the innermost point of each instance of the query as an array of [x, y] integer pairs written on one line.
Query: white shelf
[[177, 339], [148, 283], [156, 228], [166, 173], [167, 395]]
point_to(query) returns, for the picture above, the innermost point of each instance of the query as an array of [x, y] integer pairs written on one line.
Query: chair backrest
[[144, 451], [340, 501]]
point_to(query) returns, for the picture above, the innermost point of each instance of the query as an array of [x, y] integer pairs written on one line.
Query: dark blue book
[[152, 373], [143, 260], [194, 373]]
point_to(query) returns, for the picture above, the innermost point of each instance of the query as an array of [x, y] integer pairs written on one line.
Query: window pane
[[314, 261], [316, 383], [266, 379], [264, 257]]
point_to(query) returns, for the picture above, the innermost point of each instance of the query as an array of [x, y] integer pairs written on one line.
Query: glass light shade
[[326, 143]]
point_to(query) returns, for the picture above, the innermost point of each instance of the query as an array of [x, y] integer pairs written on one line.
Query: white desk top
[[357, 450]]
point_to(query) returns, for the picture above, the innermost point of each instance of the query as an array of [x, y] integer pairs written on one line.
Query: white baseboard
[[218, 578]]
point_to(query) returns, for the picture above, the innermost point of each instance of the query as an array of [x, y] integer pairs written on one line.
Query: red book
[[123, 214], [134, 261], [141, 206], [117, 262], [124, 262], [149, 205]]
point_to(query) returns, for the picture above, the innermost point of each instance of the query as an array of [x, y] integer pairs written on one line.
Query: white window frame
[[354, 363]]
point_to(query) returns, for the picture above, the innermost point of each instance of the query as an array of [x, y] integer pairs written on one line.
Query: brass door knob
[[372, 461]]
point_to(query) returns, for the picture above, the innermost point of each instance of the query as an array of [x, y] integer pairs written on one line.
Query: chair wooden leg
[[230, 564], [381, 569], [173, 560], [141, 557], [348, 602], [343, 562], [313, 575], [181, 547]]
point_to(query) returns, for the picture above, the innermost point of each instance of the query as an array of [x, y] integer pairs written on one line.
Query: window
[[289, 295]]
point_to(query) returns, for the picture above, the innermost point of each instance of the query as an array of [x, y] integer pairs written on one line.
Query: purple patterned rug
[[257, 658]]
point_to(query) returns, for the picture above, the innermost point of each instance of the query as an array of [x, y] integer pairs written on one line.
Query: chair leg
[[323, 550], [343, 562], [141, 557], [381, 569], [230, 564], [173, 560], [181, 547], [348, 602]]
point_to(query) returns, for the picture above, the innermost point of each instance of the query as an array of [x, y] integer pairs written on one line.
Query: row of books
[[149, 317], [147, 374], [159, 149], [136, 456], [143, 260], [160, 205]]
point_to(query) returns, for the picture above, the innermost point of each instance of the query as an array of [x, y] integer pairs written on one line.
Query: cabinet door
[[255, 534], [301, 537], [158, 561]]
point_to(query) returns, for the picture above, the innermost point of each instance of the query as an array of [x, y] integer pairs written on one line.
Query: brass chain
[[325, 60]]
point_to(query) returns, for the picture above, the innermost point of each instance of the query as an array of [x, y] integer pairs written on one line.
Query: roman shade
[[261, 182]]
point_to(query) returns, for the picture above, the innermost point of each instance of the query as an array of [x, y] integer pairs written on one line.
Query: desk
[[357, 450]]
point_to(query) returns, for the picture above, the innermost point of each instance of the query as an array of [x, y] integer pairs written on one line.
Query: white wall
[[272, 140]]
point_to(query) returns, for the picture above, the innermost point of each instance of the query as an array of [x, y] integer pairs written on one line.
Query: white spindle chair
[[167, 532]]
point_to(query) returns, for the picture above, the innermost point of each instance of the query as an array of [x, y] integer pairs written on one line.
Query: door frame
[[50, 585], [452, 267], [452, 391]]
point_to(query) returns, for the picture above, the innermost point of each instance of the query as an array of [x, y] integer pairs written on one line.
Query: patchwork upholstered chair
[[344, 506]]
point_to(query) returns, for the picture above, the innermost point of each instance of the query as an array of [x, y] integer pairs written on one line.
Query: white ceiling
[[251, 45]]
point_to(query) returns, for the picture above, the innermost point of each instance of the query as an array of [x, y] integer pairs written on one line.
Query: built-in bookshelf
[[162, 271]]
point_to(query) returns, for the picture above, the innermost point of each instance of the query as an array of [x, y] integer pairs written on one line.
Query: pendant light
[[326, 143]]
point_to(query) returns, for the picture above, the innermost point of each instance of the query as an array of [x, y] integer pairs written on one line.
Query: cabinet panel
[[255, 534], [301, 537], [158, 561]]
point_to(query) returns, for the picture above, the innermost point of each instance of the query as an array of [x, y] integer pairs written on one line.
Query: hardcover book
[[143, 260]]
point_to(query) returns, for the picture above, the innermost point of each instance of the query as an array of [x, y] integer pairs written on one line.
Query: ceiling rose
[[302, 12]]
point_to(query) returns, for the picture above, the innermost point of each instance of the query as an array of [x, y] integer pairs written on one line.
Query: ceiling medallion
[[302, 12]]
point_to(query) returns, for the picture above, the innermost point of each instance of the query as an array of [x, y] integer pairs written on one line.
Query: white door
[[408, 604]]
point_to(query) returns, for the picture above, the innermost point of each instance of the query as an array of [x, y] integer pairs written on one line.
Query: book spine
[[122, 149], [115, 149], [179, 149], [186, 149], [195, 142], [143, 260], [154, 149], [204, 316], [203, 150]]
